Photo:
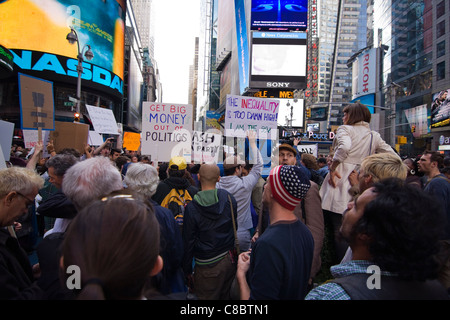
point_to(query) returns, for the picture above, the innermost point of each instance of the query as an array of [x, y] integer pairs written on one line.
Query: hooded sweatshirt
[[241, 188], [208, 230]]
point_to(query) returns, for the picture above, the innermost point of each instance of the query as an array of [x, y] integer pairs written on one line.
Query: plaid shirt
[[333, 291]]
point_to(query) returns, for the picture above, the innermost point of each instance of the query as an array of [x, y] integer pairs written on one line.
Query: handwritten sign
[[249, 113], [309, 148], [36, 103], [103, 120], [164, 126], [206, 147], [131, 140]]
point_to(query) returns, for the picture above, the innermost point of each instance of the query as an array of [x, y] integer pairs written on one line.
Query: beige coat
[[353, 143]]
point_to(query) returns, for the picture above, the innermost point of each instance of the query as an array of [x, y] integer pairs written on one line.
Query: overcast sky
[[177, 25]]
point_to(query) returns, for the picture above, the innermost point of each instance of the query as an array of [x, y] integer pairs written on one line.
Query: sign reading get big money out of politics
[[244, 114], [164, 126]]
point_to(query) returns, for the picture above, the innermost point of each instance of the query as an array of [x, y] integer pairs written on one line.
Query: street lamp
[[72, 37]]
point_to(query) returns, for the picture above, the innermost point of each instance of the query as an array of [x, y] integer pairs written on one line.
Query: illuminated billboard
[[278, 60], [440, 109], [276, 15], [35, 32]]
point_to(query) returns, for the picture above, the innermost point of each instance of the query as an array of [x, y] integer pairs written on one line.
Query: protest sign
[[95, 138], [7, 130], [164, 126], [249, 113], [70, 135], [131, 140], [309, 148], [36, 103], [206, 147], [103, 120]]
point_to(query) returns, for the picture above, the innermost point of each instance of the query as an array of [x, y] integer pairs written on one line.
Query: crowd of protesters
[[100, 224]]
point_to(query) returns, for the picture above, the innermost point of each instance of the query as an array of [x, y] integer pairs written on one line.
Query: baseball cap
[[177, 163], [286, 146]]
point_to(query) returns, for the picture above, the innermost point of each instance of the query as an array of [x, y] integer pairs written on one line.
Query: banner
[[249, 113], [164, 127]]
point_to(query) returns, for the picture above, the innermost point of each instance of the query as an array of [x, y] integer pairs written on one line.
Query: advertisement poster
[[440, 109]]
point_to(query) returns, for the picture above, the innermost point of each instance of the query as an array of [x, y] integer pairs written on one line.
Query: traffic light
[[413, 128], [308, 112], [76, 117]]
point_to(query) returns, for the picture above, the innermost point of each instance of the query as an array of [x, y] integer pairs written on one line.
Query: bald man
[[209, 237]]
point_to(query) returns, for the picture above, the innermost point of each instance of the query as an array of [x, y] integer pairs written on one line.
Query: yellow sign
[[131, 141]]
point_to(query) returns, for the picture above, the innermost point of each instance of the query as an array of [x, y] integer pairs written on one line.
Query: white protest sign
[[31, 138], [103, 120], [95, 138], [309, 148], [249, 113], [6, 137], [206, 147], [164, 126]]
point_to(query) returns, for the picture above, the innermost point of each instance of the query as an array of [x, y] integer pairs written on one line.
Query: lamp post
[[72, 37]]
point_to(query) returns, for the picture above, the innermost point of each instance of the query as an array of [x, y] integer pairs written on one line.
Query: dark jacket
[[171, 278], [208, 229], [57, 205], [16, 276], [168, 184]]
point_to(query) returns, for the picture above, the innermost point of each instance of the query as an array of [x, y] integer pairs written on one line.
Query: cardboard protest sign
[[206, 147], [131, 140], [70, 135], [95, 138], [309, 148], [36, 103], [249, 113], [164, 126], [103, 120]]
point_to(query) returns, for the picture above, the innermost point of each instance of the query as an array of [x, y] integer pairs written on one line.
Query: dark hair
[[115, 243], [61, 163], [435, 157], [404, 225], [230, 171], [357, 112]]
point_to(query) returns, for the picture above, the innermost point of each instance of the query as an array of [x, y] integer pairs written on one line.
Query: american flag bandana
[[289, 185]]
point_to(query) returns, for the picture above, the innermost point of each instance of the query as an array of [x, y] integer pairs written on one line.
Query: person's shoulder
[[328, 291]]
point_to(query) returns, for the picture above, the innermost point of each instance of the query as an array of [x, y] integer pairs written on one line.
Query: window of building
[[440, 49], [440, 9], [440, 71], [440, 29]]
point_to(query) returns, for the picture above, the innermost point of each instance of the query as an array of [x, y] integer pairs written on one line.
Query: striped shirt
[[333, 291]]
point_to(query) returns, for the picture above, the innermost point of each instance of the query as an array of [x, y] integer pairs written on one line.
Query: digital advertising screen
[[278, 60], [35, 32], [440, 109], [276, 15]]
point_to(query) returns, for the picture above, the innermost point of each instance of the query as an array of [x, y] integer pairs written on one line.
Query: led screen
[[35, 31], [279, 15]]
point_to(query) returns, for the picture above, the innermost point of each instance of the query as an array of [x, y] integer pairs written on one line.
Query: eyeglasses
[[29, 201]]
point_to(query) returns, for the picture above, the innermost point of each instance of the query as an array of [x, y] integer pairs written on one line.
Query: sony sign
[[277, 84], [365, 73]]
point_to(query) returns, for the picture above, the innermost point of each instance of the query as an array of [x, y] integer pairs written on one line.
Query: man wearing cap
[[278, 267], [176, 179], [241, 188]]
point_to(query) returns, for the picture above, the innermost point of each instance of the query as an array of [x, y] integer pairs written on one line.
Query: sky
[[176, 26]]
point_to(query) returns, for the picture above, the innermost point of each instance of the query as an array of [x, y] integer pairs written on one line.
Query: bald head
[[208, 175]]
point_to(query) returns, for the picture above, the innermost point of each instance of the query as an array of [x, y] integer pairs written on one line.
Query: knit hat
[[289, 185]]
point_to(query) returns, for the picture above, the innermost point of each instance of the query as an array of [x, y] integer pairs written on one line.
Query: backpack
[[316, 177], [176, 201]]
